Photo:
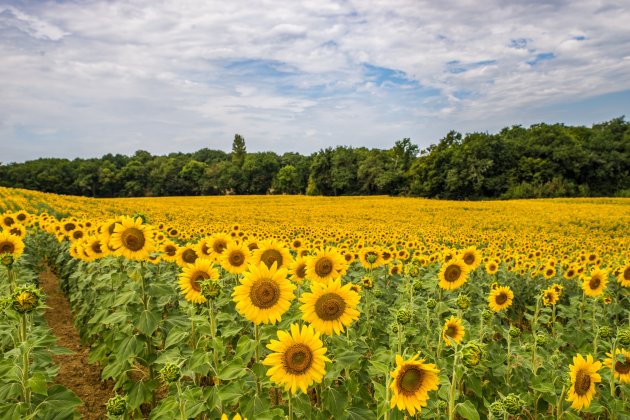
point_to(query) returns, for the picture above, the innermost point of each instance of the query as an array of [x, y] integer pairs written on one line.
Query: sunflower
[[325, 265], [492, 266], [94, 248], [370, 257], [270, 252], [624, 275], [453, 274], [500, 298], [595, 284], [169, 250], [622, 365], [191, 277], [330, 307], [186, 255], [454, 330], [8, 220], [550, 296], [298, 359], [471, 257], [584, 376], [264, 294], [412, 381], [548, 272], [297, 269], [203, 248], [16, 229], [132, 239], [235, 257], [237, 416], [11, 244]]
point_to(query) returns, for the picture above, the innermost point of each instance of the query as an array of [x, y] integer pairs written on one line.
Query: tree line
[[543, 160]]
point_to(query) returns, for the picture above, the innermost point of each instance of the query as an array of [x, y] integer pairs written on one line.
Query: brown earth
[[75, 373]]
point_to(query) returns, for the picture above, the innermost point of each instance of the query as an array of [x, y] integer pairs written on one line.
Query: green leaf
[[60, 401], [256, 407], [335, 401], [230, 393], [140, 392], [175, 336], [129, 347], [245, 348], [115, 318], [148, 322], [347, 359], [235, 369], [467, 410], [38, 384], [358, 413]]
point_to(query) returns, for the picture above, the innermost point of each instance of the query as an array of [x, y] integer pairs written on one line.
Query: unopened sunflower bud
[[403, 316], [170, 373], [116, 405], [394, 328], [605, 332], [623, 337], [417, 285], [7, 260], [472, 354], [431, 303], [463, 302], [497, 409], [368, 282], [413, 270], [541, 339], [378, 293], [210, 289], [513, 404], [442, 405], [514, 332], [26, 299], [487, 315]]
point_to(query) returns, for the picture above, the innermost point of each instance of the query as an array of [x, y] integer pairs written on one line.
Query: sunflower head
[[192, 278], [621, 363], [412, 380], [330, 307], [584, 377], [116, 405], [271, 252], [453, 331], [595, 284], [325, 265], [132, 239], [453, 274], [26, 299], [11, 245], [235, 258], [500, 298]]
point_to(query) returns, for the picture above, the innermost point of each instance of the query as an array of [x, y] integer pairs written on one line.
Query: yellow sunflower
[[191, 277], [471, 257], [330, 307], [550, 296], [186, 255], [624, 275], [370, 257], [11, 244], [622, 365], [237, 416], [132, 239], [454, 330], [325, 265], [297, 269], [168, 250], [595, 284], [412, 381], [95, 249], [270, 252], [453, 274], [298, 359], [16, 229], [500, 298], [492, 266], [264, 294], [235, 257], [584, 376]]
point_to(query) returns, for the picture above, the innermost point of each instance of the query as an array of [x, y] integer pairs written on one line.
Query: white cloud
[[108, 76]]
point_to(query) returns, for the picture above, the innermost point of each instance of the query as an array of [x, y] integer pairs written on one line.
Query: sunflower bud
[[497, 409], [513, 404], [463, 302], [487, 315], [413, 270], [378, 293], [26, 299], [117, 405], [623, 337], [605, 332], [210, 289], [541, 339], [7, 260], [371, 258], [442, 405], [170, 373], [431, 303], [472, 354], [417, 285], [394, 328], [403, 316], [514, 332], [368, 282]]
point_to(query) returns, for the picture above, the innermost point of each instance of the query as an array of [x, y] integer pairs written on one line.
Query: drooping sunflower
[[453, 274], [297, 269], [235, 257], [191, 277], [622, 365], [186, 255], [264, 294], [584, 376], [298, 359], [500, 298], [270, 252], [330, 307], [595, 285], [624, 275], [471, 257], [11, 244], [412, 381], [454, 330], [132, 239], [325, 265]]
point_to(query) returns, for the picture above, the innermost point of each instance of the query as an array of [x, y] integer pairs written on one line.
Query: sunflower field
[[273, 307]]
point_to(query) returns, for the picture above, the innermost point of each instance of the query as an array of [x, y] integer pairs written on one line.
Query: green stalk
[[181, 402], [594, 328], [612, 370], [213, 331], [289, 399], [451, 393], [25, 363], [534, 328], [508, 368], [257, 338]]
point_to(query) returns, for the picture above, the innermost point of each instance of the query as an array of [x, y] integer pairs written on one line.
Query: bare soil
[[75, 373]]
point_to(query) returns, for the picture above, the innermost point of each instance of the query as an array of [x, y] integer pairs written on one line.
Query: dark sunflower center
[[323, 267], [270, 256], [7, 247], [252, 246], [196, 279], [264, 293], [622, 367], [410, 380], [451, 331], [469, 259], [501, 298], [21, 217], [626, 274], [570, 273], [594, 282], [297, 244], [96, 247], [170, 250], [68, 226], [330, 306], [386, 255], [549, 272], [133, 239], [492, 267], [8, 221], [205, 250], [300, 271], [298, 359], [452, 273], [236, 258], [15, 231], [189, 256], [77, 234], [582, 382], [219, 245]]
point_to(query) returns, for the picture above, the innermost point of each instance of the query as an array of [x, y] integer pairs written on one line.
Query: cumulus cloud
[[88, 78]]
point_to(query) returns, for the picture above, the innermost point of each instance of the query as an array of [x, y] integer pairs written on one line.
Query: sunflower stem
[[25, 363], [367, 314], [508, 367], [290, 402], [11, 276], [181, 402], [213, 333], [594, 327], [534, 329], [553, 321], [559, 403], [613, 367], [451, 393], [400, 338], [257, 338]]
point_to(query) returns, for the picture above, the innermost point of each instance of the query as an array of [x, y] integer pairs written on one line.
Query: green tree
[[287, 180], [239, 151]]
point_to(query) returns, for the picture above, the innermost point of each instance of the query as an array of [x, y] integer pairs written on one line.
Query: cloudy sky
[[85, 78]]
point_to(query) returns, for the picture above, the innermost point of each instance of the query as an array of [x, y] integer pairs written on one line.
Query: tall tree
[[238, 150]]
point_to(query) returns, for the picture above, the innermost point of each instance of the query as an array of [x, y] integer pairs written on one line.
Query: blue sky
[[86, 78]]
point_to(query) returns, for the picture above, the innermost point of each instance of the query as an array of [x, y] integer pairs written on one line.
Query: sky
[[87, 78]]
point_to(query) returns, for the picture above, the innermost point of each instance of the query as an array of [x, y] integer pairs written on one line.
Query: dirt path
[[75, 373]]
